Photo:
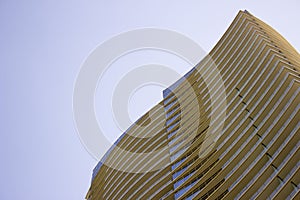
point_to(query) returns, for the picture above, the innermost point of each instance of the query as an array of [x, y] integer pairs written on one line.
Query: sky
[[43, 46]]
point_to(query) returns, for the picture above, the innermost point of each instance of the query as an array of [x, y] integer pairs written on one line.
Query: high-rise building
[[228, 129]]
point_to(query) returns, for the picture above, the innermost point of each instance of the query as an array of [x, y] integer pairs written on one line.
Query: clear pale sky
[[44, 43]]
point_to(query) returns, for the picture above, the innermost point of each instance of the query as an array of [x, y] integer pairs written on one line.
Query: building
[[228, 129]]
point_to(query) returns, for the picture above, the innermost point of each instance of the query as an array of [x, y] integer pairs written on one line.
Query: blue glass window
[[170, 112], [168, 100], [170, 105], [183, 190], [172, 133], [178, 163], [169, 121], [179, 182], [172, 126], [166, 92]]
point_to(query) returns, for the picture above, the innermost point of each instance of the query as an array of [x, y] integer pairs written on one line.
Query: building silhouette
[[228, 129]]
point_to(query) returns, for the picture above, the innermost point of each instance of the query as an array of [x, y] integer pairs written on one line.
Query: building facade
[[228, 129]]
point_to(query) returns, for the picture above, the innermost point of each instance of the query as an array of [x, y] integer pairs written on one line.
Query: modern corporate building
[[228, 129]]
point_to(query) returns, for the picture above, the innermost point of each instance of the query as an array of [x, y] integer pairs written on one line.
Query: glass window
[[172, 133], [174, 166], [172, 126], [169, 121], [170, 105]]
